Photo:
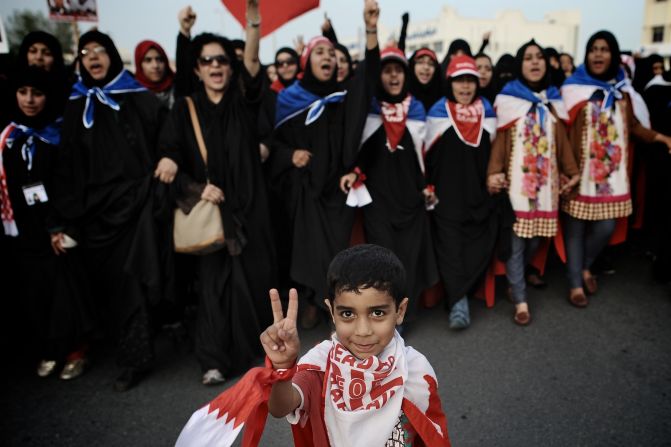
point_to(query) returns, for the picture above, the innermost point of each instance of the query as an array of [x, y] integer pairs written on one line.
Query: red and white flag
[[273, 13]]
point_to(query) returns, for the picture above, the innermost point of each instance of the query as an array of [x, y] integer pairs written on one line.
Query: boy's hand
[[280, 340]]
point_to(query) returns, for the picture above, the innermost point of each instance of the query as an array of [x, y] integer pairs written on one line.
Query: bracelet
[[371, 30], [254, 24]]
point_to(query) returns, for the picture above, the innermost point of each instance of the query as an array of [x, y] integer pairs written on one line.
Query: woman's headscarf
[[43, 81], [519, 60], [47, 39], [428, 93], [140, 51], [296, 57], [116, 64], [309, 81], [387, 56], [345, 51], [614, 47], [504, 71]]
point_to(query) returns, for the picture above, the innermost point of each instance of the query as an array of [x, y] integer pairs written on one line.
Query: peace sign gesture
[[280, 340]]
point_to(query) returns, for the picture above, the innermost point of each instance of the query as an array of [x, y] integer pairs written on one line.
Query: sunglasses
[[285, 63], [90, 52], [221, 59]]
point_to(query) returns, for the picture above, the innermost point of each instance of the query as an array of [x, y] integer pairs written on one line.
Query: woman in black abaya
[[104, 185], [51, 281], [459, 132], [234, 281]]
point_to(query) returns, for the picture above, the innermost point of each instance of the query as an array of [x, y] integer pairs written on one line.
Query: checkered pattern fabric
[[539, 226], [597, 211]]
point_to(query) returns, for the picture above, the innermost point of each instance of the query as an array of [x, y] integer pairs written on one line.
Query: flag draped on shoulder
[[294, 100], [396, 118], [244, 405], [469, 121], [580, 88], [516, 100], [123, 83]]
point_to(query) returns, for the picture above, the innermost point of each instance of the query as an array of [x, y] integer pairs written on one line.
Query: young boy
[[363, 387]]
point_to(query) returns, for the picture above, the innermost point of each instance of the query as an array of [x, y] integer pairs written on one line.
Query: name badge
[[35, 193]]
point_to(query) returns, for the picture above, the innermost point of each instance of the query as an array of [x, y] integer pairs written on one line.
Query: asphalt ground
[[599, 376]]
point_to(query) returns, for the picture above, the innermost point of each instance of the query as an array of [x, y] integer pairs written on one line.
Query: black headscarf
[[557, 76], [47, 39], [343, 48], [644, 71], [382, 94], [504, 71], [614, 47], [296, 57], [519, 60], [43, 81], [456, 45], [428, 93], [116, 64], [488, 92]]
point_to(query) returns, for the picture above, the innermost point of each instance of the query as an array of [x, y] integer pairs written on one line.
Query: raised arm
[[253, 32], [404, 31], [328, 31]]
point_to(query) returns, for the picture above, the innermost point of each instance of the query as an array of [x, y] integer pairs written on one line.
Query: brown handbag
[[201, 231]]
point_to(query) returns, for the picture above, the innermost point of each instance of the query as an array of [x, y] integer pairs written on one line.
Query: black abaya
[[464, 226], [233, 286]]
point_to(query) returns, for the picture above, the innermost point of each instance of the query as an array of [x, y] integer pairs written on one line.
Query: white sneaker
[[213, 377]]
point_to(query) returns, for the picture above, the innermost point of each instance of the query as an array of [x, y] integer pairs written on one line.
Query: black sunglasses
[[286, 63], [221, 59]]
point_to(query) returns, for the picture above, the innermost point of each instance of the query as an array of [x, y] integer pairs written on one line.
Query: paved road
[[594, 377]]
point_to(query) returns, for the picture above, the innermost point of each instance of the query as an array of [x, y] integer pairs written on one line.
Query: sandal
[[578, 299]]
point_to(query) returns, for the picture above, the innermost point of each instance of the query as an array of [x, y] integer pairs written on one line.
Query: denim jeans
[[523, 250], [584, 241]]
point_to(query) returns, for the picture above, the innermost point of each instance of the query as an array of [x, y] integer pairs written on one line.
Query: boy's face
[[365, 321]]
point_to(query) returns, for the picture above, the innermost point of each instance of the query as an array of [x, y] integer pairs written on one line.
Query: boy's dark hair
[[365, 266]]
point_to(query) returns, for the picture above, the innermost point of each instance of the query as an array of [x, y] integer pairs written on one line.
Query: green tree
[[21, 23]]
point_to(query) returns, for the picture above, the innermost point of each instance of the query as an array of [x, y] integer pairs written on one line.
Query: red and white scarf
[[8, 222], [469, 121], [363, 399]]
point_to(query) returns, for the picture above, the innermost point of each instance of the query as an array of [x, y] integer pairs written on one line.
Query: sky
[[130, 21]]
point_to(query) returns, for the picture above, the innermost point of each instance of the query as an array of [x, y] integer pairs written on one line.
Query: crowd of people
[[453, 164]]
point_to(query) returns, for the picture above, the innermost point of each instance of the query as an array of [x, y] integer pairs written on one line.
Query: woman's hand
[[301, 158], [280, 340], [661, 138], [212, 194], [187, 18], [496, 183], [430, 197], [57, 241], [166, 170], [264, 152], [371, 14], [567, 184], [347, 181]]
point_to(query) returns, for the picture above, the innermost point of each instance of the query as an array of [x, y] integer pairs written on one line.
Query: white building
[[656, 37], [509, 30]]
